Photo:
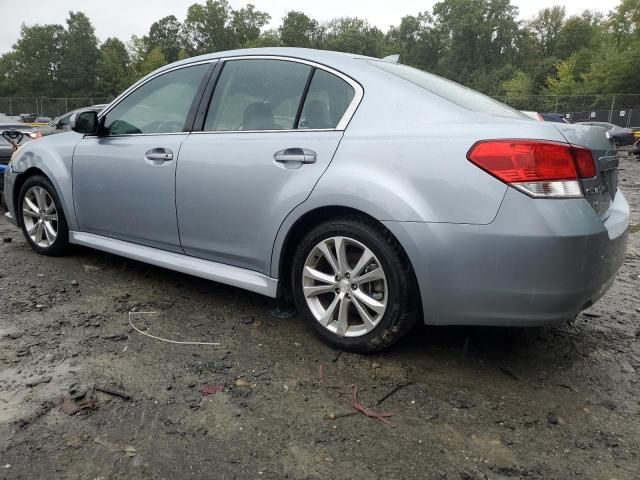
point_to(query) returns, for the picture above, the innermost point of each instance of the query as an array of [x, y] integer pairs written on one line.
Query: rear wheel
[[354, 285], [41, 217]]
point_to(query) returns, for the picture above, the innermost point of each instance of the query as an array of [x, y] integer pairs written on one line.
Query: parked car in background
[[28, 117], [6, 147], [375, 193], [618, 136], [62, 123], [546, 117]]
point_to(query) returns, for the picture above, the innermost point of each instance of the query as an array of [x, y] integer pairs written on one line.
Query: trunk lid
[[601, 190]]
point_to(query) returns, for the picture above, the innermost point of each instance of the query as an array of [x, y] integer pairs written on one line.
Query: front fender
[[53, 155]]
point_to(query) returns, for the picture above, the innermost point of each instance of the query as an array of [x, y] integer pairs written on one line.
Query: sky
[[123, 18]]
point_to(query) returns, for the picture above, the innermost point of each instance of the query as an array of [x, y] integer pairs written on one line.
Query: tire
[[322, 297], [50, 245]]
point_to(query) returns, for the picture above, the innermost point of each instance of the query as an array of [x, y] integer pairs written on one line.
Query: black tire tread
[[402, 323], [61, 245]]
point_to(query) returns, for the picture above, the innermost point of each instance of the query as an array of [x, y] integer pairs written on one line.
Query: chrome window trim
[[284, 130], [358, 93], [341, 126]]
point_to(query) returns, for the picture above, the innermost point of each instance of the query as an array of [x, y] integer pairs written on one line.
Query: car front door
[[271, 129], [124, 179]]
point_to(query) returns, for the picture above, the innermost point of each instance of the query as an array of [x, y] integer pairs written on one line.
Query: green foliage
[[33, 66], [353, 35], [298, 30], [165, 34], [154, 60], [112, 72], [480, 43], [78, 56]]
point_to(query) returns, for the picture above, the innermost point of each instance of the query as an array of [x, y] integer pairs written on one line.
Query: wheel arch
[[293, 230], [17, 186], [52, 162]]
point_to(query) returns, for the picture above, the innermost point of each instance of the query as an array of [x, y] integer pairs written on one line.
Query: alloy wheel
[[40, 217], [345, 286]]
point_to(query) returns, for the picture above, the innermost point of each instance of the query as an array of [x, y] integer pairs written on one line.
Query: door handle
[[159, 155], [295, 155]]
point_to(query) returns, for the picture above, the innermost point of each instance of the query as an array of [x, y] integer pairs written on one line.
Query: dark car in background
[[62, 123], [619, 136], [7, 149]]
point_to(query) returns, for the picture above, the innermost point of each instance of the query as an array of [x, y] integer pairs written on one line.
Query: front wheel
[[41, 217], [354, 285]]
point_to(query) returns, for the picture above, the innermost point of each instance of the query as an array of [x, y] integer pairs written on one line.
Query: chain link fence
[[621, 109], [46, 106]]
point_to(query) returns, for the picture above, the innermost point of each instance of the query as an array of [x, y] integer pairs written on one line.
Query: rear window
[[450, 91]]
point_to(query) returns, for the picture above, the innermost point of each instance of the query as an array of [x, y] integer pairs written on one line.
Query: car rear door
[[271, 129], [124, 179]]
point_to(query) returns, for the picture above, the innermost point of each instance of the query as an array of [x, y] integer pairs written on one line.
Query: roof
[[325, 57]]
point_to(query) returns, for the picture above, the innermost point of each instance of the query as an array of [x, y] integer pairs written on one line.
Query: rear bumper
[[539, 262]]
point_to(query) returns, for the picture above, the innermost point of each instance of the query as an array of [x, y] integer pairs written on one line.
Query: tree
[[416, 40], [78, 56], [246, 24], [154, 60], [546, 27], [205, 28], [112, 72], [298, 30], [477, 36], [519, 85], [165, 34], [33, 65], [354, 35]]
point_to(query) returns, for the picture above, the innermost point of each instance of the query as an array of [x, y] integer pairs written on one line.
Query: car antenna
[[395, 58]]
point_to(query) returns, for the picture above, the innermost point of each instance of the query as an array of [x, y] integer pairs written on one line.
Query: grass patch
[[634, 228]]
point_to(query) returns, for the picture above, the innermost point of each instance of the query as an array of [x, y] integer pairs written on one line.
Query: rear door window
[[257, 94], [327, 101]]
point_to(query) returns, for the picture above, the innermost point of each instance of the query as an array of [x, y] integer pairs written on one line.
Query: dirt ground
[[466, 403]]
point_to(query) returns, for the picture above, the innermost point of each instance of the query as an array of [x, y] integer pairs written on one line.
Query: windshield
[[450, 91]]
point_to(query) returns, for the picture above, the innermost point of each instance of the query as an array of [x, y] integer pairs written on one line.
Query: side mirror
[[84, 121]]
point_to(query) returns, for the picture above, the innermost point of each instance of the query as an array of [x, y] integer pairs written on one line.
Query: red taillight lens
[[539, 168], [532, 161], [584, 162]]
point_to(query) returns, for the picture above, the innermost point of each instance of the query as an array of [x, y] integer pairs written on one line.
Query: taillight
[[35, 135], [536, 167]]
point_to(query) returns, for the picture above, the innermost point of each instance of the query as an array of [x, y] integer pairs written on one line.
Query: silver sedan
[[371, 193]]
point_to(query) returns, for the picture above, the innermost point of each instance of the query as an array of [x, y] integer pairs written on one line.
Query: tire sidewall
[[397, 289], [62, 240]]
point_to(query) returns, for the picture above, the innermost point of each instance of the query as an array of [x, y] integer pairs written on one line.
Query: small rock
[[39, 306], [74, 283], [90, 268], [247, 320], [460, 402], [117, 338], [626, 367], [38, 381], [241, 382], [375, 365], [7, 239], [552, 419]]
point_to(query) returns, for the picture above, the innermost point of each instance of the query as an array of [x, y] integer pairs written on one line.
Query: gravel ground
[[466, 403]]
